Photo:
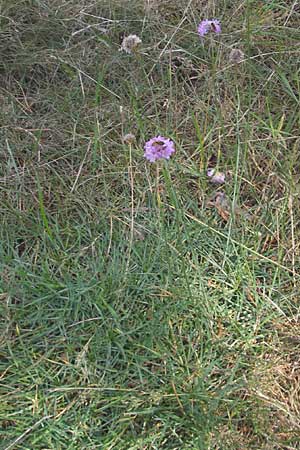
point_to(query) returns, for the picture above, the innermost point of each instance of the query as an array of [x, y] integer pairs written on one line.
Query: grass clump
[[143, 306]]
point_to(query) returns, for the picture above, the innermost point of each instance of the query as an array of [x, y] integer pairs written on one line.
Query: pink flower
[[159, 147], [216, 177], [209, 25]]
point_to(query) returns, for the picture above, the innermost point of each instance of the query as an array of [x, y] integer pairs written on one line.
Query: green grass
[[137, 311]]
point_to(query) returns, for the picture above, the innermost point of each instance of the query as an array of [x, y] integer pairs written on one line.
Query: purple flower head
[[209, 25], [159, 147], [210, 172], [216, 177]]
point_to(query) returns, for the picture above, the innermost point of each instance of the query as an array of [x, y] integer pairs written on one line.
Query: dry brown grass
[[276, 383]]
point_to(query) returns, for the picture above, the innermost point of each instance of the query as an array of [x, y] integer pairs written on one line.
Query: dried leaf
[[222, 205]]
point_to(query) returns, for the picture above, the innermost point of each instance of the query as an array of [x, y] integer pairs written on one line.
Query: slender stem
[[131, 178]]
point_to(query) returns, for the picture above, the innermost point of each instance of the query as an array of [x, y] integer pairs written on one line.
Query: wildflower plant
[[130, 43], [206, 26], [215, 177], [158, 147]]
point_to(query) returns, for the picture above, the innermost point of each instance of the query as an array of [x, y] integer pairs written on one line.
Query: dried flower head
[[236, 56], [159, 147], [130, 43], [209, 25], [129, 138], [216, 177]]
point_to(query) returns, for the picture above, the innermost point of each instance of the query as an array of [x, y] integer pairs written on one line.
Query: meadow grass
[[143, 307]]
